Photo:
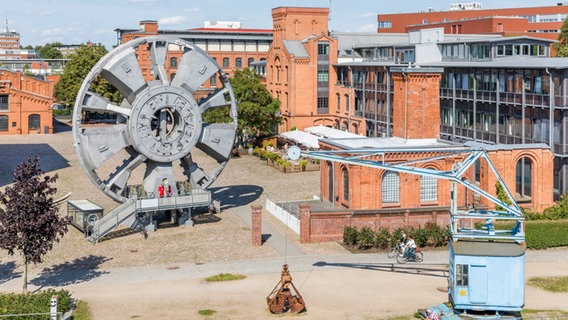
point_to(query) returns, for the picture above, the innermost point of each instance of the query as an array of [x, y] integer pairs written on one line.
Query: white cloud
[[371, 27], [368, 14], [192, 9], [147, 2], [171, 20]]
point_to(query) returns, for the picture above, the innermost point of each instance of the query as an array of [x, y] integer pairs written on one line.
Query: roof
[[392, 142], [348, 41], [327, 132], [516, 62], [303, 138], [502, 147], [296, 48]]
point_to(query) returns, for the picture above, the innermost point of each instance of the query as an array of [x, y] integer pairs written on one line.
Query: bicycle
[[395, 251], [403, 258]]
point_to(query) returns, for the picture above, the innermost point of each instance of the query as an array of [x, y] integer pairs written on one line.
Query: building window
[[4, 102], [250, 61], [238, 62], [390, 187], [428, 189], [213, 80], [523, 177], [338, 102], [172, 76], [347, 103], [323, 103], [323, 76], [226, 62], [323, 48], [173, 62], [385, 24], [3, 123], [345, 185], [462, 275], [33, 122]]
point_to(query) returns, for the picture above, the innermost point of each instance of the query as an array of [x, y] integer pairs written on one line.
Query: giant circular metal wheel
[[159, 122]]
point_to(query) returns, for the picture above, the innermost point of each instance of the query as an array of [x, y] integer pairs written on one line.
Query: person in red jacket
[[165, 190]]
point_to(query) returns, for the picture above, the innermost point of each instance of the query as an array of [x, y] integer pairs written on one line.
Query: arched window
[[172, 76], [523, 177], [225, 62], [390, 187], [345, 184], [33, 121], [173, 62], [238, 62], [3, 123], [250, 61], [428, 189]]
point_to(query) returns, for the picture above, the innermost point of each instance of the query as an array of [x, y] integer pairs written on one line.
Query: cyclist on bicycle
[[410, 248]]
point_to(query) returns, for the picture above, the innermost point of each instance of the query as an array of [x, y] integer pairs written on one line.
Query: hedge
[[542, 234], [14, 303], [539, 234]]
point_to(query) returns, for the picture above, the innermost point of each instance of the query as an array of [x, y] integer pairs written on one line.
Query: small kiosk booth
[[486, 266], [84, 214]]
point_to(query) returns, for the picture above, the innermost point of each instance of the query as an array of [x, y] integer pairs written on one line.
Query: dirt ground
[[162, 277]]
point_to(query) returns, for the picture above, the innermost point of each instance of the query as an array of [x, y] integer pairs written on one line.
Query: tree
[[258, 111], [76, 70], [561, 47], [49, 51], [29, 220]]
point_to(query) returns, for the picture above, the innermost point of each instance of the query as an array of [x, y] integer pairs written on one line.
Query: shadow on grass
[[73, 272]]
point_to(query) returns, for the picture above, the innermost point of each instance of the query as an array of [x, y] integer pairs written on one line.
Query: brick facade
[[25, 104], [232, 49], [506, 21], [292, 76], [416, 110], [256, 225]]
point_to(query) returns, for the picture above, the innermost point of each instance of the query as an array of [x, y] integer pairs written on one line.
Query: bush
[[382, 238], [350, 236], [546, 234], [436, 235], [13, 303], [366, 238]]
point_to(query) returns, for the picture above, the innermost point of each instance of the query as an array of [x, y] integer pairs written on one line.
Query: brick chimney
[[416, 103]]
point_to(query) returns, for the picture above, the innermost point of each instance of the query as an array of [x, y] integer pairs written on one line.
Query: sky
[[79, 21]]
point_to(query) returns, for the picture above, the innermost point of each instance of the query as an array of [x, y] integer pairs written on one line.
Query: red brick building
[[25, 104], [232, 48], [300, 74], [543, 22]]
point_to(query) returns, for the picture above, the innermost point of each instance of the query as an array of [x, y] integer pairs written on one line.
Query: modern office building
[[470, 18]]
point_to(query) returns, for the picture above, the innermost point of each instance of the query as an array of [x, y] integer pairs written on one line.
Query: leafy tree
[[561, 47], [49, 51], [258, 111], [76, 70], [29, 219]]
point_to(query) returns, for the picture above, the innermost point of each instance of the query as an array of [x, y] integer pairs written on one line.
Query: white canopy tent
[[327, 132], [306, 139]]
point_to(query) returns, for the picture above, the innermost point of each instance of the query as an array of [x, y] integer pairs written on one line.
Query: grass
[[552, 284], [225, 277], [82, 311], [206, 312]]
